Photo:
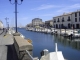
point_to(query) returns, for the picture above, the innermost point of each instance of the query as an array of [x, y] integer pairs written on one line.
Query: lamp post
[[60, 25], [6, 22], [16, 2], [8, 25]]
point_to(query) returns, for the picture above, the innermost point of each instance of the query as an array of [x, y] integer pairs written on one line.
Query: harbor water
[[41, 41]]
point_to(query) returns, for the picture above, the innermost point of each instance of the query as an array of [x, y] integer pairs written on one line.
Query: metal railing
[[30, 55], [24, 52]]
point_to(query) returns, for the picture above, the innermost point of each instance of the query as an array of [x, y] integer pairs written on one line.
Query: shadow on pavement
[[11, 54]]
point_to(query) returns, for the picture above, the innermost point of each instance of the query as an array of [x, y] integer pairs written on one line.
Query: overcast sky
[[29, 9]]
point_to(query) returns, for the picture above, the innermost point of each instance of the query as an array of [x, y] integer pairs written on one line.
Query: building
[[36, 22], [42, 25], [29, 25], [49, 23], [67, 20], [1, 25]]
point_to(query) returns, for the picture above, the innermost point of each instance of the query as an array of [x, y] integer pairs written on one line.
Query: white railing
[[29, 55]]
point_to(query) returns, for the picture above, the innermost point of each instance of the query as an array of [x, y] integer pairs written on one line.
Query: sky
[[30, 9]]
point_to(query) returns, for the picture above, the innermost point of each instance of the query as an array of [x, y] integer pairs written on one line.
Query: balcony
[[58, 21], [68, 19], [62, 20]]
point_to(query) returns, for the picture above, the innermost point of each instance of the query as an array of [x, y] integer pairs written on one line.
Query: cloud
[[42, 7], [69, 8], [62, 10], [47, 15]]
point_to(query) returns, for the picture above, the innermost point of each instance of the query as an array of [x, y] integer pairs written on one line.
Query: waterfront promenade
[[13, 46], [7, 50]]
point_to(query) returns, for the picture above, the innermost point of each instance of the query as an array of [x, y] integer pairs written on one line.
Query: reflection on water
[[75, 43], [70, 48]]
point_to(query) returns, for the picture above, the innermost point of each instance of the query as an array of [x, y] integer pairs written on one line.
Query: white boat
[[57, 55], [76, 34], [48, 31], [72, 33], [54, 31]]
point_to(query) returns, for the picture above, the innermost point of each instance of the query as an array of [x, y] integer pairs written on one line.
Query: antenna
[[56, 49]]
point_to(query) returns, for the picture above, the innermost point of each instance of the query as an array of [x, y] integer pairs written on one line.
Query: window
[[56, 26], [58, 20], [79, 19], [79, 13], [75, 19], [61, 25], [63, 19], [77, 26], [69, 25], [75, 14], [54, 20], [68, 18]]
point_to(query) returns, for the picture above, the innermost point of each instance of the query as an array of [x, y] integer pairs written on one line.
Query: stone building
[[36, 22], [67, 20], [49, 23], [29, 25]]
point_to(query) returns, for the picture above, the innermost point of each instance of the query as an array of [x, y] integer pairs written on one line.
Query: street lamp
[[16, 2], [6, 22], [8, 25]]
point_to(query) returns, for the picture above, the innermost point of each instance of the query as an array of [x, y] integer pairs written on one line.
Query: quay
[[69, 33], [14, 47]]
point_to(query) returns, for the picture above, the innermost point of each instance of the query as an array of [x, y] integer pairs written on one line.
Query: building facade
[[49, 23], [1, 25], [29, 25], [69, 20], [36, 22]]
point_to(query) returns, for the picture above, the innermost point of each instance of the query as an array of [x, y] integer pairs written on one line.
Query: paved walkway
[[3, 52], [7, 50]]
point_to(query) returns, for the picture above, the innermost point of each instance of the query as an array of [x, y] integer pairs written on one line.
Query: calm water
[[70, 49]]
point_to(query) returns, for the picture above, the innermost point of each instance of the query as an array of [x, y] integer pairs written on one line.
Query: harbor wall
[[21, 45]]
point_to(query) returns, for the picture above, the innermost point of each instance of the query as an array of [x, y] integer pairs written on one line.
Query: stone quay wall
[[21, 45]]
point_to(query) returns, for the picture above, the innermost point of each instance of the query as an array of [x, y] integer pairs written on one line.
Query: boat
[[56, 55]]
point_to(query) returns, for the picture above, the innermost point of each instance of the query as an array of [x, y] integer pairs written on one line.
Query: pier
[[14, 47]]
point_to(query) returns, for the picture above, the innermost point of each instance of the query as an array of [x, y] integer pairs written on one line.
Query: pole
[[8, 25], [60, 25], [16, 2], [6, 22], [16, 15]]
